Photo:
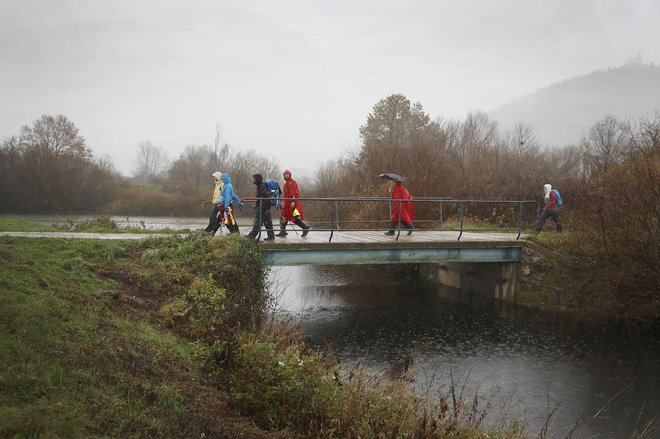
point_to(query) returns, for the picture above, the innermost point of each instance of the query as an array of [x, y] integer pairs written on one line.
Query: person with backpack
[[401, 209], [274, 191], [551, 202], [291, 210], [262, 207]]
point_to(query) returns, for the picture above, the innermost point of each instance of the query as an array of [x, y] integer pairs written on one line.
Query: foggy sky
[[292, 79]]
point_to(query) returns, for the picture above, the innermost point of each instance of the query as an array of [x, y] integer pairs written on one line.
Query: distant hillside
[[561, 112]]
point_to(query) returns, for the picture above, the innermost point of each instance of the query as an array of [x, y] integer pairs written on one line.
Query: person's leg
[[542, 219], [268, 222], [283, 223], [230, 221], [220, 219], [257, 225], [213, 219], [392, 228], [302, 225], [555, 218]]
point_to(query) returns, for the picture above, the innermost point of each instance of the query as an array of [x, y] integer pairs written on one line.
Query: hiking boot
[[410, 229], [390, 233], [282, 234], [305, 232], [270, 238]]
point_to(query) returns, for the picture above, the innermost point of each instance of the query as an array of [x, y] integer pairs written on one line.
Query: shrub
[[143, 200], [221, 281]]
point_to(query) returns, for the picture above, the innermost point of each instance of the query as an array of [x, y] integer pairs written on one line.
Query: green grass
[[98, 225], [16, 225], [74, 365]]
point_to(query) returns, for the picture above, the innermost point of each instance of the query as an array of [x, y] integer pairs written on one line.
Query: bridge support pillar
[[486, 280]]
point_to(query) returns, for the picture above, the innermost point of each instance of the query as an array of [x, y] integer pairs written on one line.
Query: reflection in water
[[381, 316]]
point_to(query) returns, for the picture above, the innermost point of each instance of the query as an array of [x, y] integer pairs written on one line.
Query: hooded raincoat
[[291, 207], [406, 206], [227, 196], [218, 187]]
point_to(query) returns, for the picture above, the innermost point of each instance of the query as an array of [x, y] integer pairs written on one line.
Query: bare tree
[[151, 162], [56, 135], [191, 172], [243, 164], [220, 150], [605, 145]]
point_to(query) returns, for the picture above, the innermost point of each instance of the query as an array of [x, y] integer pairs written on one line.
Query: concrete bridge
[[373, 247], [487, 263]]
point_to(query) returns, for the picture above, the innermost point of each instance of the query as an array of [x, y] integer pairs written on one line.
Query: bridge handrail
[[334, 221]]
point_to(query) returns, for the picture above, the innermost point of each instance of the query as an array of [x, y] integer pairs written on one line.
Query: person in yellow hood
[[215, 220]]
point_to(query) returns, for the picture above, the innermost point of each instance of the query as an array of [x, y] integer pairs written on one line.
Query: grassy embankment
[[601, 286], [167, 338], [98, 225]]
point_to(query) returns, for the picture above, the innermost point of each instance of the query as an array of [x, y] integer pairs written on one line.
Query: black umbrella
[[391, 176]]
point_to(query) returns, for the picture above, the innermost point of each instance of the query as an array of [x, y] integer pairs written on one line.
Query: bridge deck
[[349, 247], [420, 238]]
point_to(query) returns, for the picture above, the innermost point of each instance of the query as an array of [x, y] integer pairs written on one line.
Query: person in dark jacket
[[262, 207], [550, 210]]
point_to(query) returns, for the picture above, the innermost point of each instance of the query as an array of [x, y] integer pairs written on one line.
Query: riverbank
[[565, 273], [170, 337]]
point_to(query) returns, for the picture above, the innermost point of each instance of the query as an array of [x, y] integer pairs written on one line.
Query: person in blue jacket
[[226, 203]]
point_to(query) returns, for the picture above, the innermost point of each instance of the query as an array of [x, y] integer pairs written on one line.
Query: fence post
[[442, 227], [461, 220], [398, 229], [520, 218], [261, 213], [333, 212]]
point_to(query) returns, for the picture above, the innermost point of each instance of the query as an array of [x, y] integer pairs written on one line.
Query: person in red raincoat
[[406, 207], [291, 210]]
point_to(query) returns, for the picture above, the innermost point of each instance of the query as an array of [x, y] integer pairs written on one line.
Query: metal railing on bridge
[[444, 208]]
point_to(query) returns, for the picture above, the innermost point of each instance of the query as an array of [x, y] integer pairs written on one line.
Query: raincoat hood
[[286, 174], [546, 189], [217, 175], [258, 179], [225, 178]]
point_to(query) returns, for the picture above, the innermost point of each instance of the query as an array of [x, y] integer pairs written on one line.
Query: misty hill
[[561, 112]]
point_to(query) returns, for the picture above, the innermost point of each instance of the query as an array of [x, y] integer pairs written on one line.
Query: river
[[527, 364]]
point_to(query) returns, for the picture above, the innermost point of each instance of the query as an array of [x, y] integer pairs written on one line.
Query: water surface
[[527, 363]]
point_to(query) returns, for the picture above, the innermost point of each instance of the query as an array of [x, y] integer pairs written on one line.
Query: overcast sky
[[292, 79]]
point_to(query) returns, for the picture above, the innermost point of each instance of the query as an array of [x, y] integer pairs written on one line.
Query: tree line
[[49, 168], [610, 179]]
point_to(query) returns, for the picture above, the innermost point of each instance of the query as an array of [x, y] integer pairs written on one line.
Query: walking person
[[402, 208], [226, 203], [550, 209], [262, 207], [291, 210], [215, 220]]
